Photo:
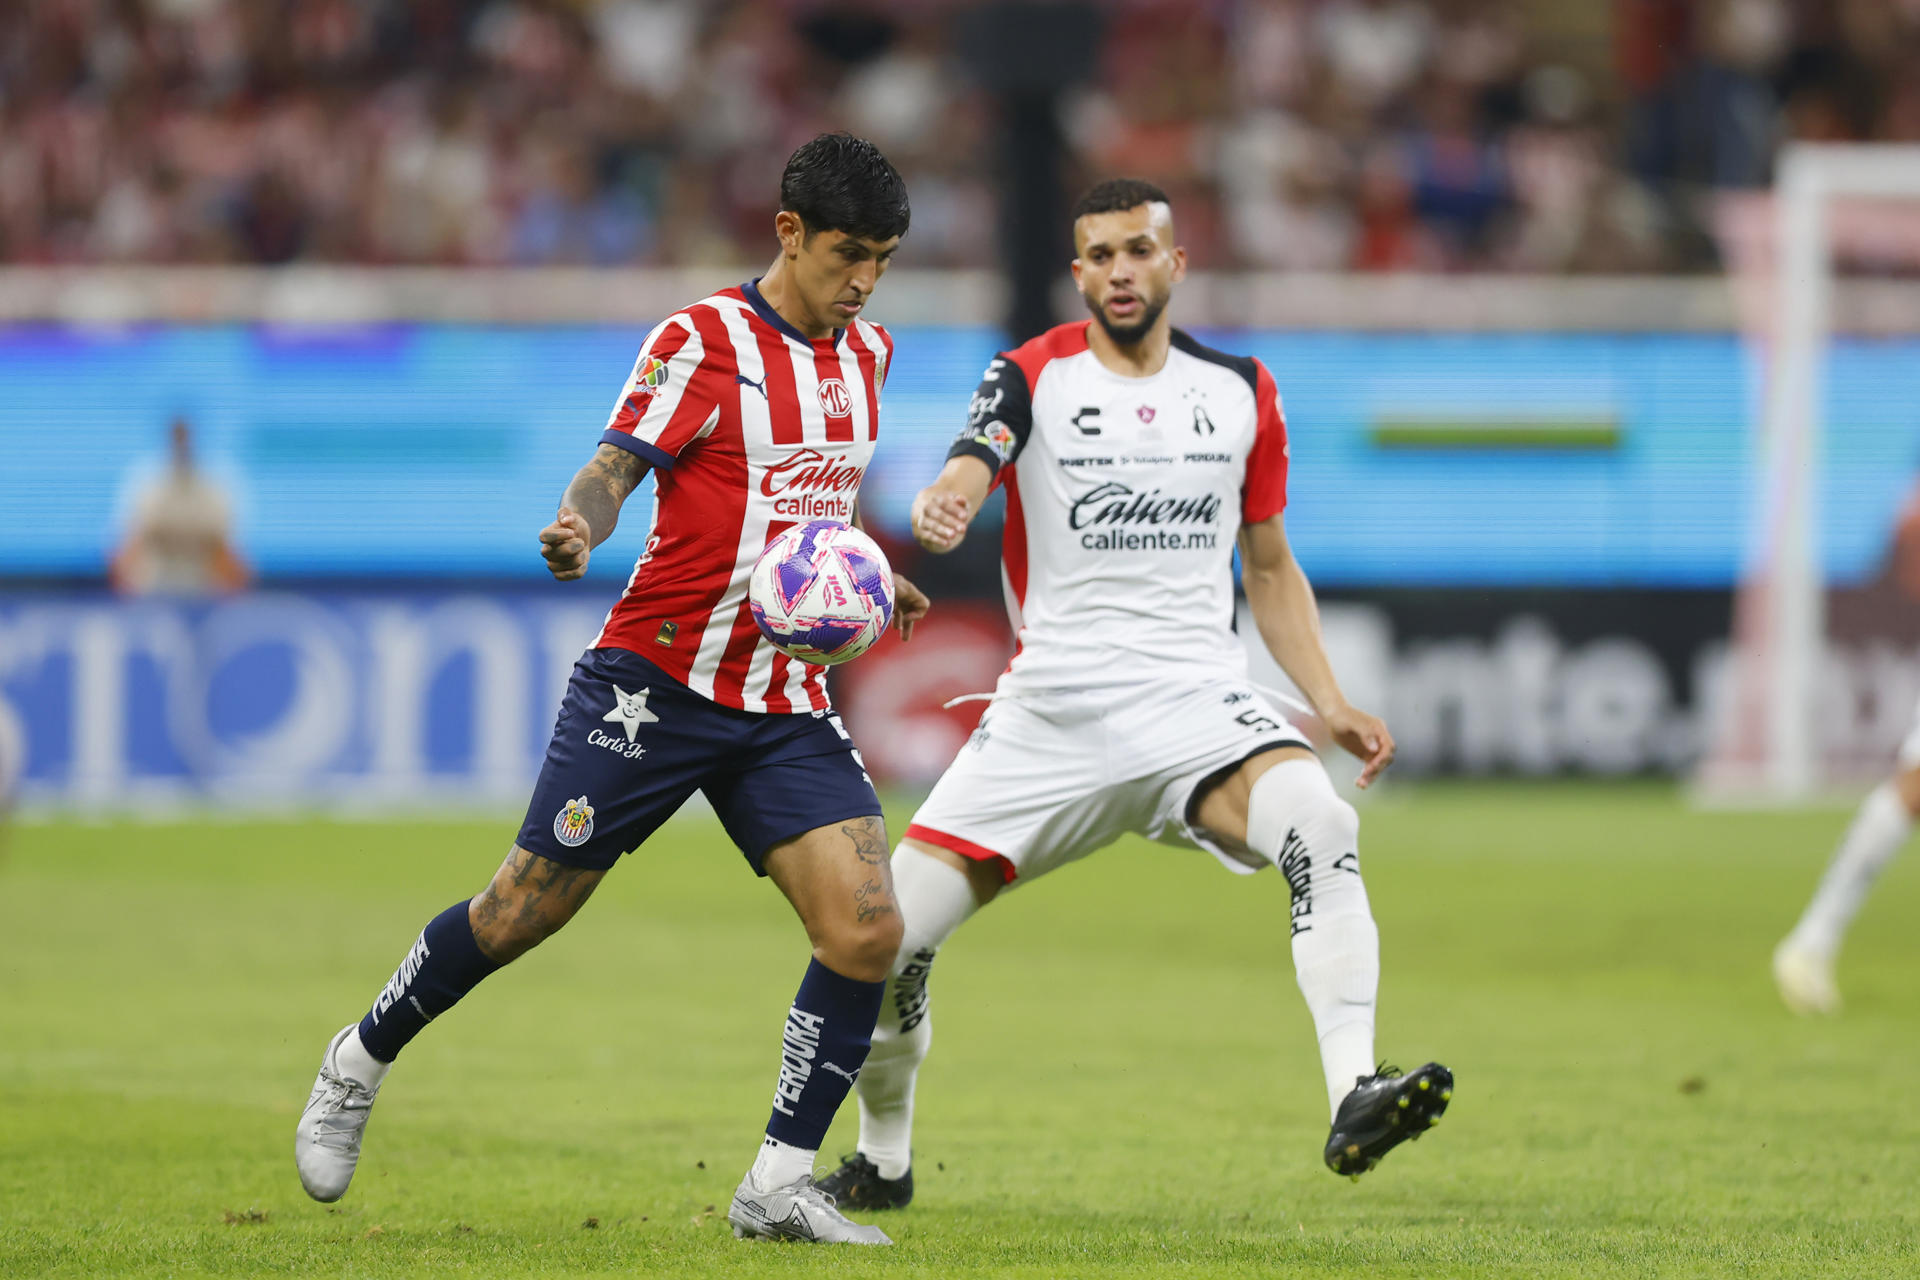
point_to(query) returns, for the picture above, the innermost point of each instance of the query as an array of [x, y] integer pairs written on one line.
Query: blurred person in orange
[[179, 540]]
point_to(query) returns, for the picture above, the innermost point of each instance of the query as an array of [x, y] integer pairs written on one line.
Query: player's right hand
[[939, 519], [566, 544]]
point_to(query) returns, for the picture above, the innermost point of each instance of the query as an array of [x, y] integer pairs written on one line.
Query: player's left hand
[[1364, 737], [910, 604]]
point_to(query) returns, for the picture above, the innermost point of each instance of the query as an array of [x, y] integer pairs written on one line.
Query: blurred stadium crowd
[[1295, 134]]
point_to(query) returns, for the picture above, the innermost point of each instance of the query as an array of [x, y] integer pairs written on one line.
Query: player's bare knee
[[865, 948]]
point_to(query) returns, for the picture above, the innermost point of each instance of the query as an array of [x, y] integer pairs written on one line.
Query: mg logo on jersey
[[834, 398]]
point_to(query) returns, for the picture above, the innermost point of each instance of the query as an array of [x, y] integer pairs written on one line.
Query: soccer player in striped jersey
[[1135, 459], [754, 409]]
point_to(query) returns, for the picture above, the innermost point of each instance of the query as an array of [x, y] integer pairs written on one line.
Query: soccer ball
[[822, 592]]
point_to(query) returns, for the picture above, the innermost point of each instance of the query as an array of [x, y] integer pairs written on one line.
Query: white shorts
[[1050, 778]]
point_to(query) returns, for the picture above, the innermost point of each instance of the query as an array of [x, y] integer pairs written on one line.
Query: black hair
[[838, 182], [1118, 194]]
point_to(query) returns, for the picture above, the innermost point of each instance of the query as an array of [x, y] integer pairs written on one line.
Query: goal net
[[1822, 672]]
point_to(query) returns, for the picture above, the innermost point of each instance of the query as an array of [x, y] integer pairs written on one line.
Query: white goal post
[[1773, 701]]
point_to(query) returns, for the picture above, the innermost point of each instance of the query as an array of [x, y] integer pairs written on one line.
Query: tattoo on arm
[[602, 485]]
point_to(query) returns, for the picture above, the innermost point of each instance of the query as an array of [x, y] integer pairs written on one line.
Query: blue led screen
[[409, 451]]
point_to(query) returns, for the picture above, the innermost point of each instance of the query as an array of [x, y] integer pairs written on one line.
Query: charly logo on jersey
[[630, 711], [573, 825], [1117, 517], [835, 400], [812, 485]]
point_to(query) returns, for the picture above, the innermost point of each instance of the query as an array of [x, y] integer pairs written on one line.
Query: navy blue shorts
[[632, 744]]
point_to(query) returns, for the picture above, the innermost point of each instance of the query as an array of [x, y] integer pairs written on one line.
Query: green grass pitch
[[1123, 1080]]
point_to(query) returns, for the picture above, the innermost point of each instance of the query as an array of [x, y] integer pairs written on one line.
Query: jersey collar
[[766, 312]]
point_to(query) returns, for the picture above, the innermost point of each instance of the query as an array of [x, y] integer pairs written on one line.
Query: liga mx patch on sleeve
[[647, 381]]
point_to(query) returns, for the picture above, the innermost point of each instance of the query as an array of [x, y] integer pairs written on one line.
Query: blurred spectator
[[179, 540], [1299, 134]]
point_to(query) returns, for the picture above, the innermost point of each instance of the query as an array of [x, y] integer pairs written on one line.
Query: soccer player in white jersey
[[756, 409], [1803, 962], [1133, 459]]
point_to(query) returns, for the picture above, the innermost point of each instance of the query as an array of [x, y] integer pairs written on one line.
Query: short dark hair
[[838, 182], [1117, 194]]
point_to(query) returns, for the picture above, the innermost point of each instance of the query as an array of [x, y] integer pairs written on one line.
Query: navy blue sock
[[829, 1030], [444, 965]]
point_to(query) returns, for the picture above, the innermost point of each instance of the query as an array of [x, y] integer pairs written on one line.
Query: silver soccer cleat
[[798, 1212], [326, 1145]]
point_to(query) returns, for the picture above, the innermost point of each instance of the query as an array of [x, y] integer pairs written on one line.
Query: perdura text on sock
[[402, 977], [799, 1046]]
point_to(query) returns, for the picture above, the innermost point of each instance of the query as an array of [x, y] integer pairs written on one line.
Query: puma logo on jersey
[[742, 380]]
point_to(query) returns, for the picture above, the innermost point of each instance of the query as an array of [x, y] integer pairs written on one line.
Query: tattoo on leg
[[544, 894], [871, 901], [869, 836]]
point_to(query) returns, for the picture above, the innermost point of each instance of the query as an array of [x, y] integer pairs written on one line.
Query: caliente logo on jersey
[[812, 485], [1118, 517]]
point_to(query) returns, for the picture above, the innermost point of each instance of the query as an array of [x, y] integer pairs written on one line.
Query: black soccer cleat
[[1383, 1111], [857, 1184]]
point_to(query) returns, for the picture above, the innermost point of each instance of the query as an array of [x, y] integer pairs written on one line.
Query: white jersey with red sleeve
[[1124, 500], [750, 428]]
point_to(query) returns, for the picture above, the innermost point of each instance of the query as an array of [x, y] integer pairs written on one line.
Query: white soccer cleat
[[1805, 979], [798, 1212], [326, 1145]]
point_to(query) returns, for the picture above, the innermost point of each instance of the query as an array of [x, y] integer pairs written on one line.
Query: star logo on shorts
[[630, 709]]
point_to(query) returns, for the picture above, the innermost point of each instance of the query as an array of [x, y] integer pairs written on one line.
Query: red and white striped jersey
[[750, 428]]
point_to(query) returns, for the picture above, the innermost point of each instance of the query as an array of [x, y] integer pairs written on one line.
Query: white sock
[[1879, 829], [353, 1061], [1295, 818], [935, 899], [779, 1165]]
